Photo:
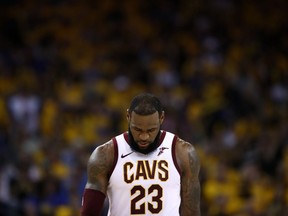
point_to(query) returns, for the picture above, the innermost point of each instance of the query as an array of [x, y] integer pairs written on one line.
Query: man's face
[[144, 129]]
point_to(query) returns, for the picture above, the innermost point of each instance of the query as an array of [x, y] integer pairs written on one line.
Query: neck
[[153, 146]]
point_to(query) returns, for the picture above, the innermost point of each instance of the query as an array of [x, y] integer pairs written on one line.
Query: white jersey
[[144, 184]]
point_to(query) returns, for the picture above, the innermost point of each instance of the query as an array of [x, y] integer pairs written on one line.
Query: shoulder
[[99, 166], [187, 156], [104, 148], [103, 155]]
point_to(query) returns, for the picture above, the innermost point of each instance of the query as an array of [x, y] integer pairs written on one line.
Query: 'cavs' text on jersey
[[145, 170]]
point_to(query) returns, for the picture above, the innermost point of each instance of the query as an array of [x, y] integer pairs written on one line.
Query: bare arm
[[99, 165], [190, 186]]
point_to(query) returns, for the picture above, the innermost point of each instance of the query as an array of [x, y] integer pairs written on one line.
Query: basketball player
[[144, 171]]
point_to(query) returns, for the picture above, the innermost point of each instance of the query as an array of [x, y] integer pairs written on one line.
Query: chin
[[143, 148]]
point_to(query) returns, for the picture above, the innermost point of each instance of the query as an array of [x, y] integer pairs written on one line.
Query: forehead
[[145, 121]]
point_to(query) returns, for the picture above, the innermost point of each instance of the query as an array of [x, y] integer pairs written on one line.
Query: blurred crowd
[[68, 70]]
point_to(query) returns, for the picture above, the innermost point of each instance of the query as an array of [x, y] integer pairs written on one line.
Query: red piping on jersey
[[126, 137], [115, 156], [174, 155], [162, 135]]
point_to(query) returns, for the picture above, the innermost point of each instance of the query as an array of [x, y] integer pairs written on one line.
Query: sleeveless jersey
[[144, 184]]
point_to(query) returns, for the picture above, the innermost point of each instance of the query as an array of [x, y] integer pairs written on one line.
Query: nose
[[144, 136]]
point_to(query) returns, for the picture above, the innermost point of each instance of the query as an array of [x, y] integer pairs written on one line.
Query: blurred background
[[68, 70]]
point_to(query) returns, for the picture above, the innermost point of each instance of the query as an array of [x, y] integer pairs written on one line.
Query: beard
[[133, 144]]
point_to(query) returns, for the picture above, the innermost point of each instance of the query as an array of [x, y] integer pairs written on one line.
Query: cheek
[[134, 134], [153, 135]]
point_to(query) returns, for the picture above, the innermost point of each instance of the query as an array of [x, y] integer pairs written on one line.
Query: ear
[[128, 115], [162, 117]]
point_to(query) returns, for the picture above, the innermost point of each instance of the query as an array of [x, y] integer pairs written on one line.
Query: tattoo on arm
[[98, 167], [191, 185]]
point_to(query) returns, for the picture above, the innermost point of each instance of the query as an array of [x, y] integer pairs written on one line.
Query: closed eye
[[148, 131]]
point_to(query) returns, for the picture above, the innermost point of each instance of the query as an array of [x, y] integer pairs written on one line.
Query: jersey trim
[[174, 155], [115, 144], [162, 136], [126, 137]]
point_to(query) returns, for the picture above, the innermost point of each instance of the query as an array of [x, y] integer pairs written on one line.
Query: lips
[[143, 144]]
